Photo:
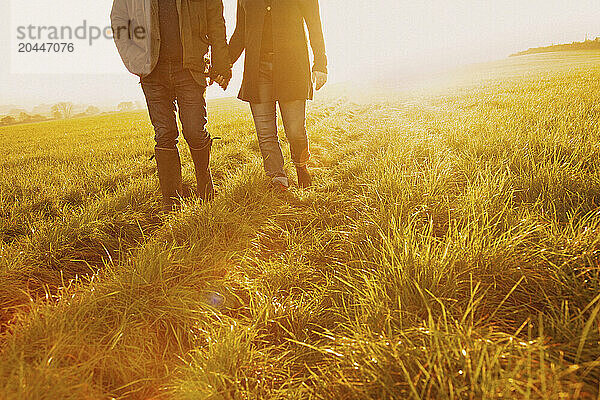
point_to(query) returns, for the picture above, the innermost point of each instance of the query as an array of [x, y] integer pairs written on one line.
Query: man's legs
[[160, 98], [294, 122], [191, 102]]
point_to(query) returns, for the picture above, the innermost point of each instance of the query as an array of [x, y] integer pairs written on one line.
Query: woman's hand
[[222, 81], [319, 79], [221, 78]]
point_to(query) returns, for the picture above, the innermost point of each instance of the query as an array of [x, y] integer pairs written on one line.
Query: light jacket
[[135, 25]]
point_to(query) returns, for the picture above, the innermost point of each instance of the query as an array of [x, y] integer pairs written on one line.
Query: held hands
[[319, 79], [221, 80]]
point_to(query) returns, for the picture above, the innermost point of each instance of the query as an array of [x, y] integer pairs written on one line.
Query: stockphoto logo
[[85, 32], [74, 36]]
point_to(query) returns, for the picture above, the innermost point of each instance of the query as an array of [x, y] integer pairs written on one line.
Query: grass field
[[450, 249]]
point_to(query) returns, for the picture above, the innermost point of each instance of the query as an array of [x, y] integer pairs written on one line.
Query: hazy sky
[[365, 40]]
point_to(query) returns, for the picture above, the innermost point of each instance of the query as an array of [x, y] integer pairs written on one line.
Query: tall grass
[[450, 249]]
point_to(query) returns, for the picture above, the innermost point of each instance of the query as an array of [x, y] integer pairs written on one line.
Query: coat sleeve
[[133, 56], [312, 15], [238, 40], [217, 38]]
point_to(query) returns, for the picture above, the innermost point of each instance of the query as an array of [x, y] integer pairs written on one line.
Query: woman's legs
[[294, 122], [265, 119]]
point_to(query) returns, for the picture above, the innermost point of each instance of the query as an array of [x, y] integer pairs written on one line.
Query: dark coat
[[291, 65]]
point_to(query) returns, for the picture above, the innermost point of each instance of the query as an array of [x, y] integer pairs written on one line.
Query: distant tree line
[[587, 45], [22, 118], [62, 110]]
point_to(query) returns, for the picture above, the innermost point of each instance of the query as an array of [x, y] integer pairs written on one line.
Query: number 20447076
[[26, 47]]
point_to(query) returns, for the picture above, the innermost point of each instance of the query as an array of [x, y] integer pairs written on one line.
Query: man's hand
[[319, 79]]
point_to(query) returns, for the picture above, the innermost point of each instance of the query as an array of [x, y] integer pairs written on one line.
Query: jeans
[[293, 114], [169, 85]]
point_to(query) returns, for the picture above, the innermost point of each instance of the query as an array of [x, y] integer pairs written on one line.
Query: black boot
[[169, 176], [201, 158], [304, 178]]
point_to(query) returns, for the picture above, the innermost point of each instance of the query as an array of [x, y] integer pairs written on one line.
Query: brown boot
[[201, 158], [169, 176], [304, 178]]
